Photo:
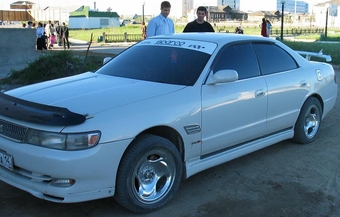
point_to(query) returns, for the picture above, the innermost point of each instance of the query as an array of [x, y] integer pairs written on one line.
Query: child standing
[[52, 36]]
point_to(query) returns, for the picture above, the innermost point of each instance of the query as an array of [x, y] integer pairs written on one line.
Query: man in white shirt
[[161, 24]]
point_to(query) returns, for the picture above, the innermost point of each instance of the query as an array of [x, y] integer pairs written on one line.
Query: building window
[[104, 22]]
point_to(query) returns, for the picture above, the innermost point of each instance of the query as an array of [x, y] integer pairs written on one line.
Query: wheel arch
[[309, 120], [319, 98], [170, 134]]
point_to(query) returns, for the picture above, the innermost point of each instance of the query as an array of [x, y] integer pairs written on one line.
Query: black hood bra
[[20, 109]]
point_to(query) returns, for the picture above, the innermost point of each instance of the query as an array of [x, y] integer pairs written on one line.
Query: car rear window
[[273, 59], [166, 64]]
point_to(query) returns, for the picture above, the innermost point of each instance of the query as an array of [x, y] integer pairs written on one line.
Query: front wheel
[[308, 124], [149, 174]]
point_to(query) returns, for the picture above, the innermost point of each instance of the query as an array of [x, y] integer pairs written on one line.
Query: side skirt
[[200, 164]]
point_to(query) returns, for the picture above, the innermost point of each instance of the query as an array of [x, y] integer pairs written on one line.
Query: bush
[[52, 66]]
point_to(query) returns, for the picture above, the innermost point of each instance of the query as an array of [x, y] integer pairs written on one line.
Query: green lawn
[[328, 48]]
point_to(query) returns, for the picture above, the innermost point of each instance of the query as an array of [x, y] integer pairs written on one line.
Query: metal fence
[[111, 38], [298, 31]]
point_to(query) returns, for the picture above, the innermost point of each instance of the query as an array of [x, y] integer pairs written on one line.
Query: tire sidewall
[[138, 149], [299, 134]]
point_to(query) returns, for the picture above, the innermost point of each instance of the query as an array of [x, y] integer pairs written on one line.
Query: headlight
[[71, 141]]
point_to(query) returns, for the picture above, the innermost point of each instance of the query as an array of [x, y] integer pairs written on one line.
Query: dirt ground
[[286, 179]]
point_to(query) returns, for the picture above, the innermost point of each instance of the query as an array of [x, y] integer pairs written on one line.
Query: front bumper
[[93, 170]]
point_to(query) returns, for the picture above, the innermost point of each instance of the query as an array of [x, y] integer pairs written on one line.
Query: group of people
[[266, 27], [162, 24], [48, 35], [239, 30], [30, 25]]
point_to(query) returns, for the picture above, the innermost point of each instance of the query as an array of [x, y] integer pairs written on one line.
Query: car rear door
[[287, 83]]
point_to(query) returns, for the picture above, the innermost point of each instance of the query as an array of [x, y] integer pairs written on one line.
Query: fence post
[[104, 39], [125, 36]]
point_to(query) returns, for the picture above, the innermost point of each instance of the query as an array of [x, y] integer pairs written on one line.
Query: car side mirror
[[222, 76], [106, 59]]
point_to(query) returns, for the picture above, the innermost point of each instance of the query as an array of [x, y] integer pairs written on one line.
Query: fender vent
[[192, 129]]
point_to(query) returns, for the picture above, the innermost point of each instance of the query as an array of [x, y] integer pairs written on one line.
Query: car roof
[[223, 38], [214, 37]]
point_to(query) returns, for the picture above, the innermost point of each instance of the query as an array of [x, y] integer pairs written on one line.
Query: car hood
[[90, 93]]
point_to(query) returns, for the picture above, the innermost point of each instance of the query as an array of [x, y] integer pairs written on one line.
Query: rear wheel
[[149, 174], [308, 124]]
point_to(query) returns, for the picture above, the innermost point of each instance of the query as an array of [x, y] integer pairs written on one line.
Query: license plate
[[6, 160]]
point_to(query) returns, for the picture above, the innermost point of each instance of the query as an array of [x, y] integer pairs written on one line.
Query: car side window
[[273, 59], [239, 57]]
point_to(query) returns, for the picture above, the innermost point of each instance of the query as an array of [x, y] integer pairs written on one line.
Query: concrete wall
[[17, 46]]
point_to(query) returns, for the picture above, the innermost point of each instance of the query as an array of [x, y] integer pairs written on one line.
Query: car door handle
[[260, 93], [303, 83]]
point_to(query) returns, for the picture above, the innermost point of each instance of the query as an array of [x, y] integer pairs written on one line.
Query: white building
[[53, 13], [84, 18], [320, 12]]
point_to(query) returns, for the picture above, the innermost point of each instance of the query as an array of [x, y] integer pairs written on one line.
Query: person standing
[[59, 37], [161, 24], [143, 30], [65, 34], [48, 31], [264, 28], [269, 27], [52, 37], [239, 30], [40, 32], [199, 25], [29, 26]]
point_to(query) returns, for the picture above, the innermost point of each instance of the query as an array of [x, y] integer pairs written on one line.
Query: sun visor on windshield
[[202, 46]]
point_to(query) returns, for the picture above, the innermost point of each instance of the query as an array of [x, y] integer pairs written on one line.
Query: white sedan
[[159, 112]]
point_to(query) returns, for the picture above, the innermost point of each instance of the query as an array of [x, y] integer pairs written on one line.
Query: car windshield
[[165, 64]]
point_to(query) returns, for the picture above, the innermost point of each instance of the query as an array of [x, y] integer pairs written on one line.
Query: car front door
[[235, 112]]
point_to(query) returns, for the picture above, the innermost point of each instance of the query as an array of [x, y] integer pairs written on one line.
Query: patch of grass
[[331, 49], [52, 66], [320, 37], [85, 35]]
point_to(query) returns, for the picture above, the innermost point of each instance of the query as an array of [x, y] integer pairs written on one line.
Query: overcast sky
[[123, 6], [127, 7]]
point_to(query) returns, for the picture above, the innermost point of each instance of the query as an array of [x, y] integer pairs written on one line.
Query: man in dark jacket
[[64, 35], [59, 37], [199, 25]]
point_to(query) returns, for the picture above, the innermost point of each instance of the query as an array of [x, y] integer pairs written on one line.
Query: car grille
[[12, 131]]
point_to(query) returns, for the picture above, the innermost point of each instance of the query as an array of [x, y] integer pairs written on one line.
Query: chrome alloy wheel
[[153, 176], [312, 121]]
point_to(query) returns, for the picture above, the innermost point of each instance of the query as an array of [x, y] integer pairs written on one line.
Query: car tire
[[149, 174], [308, 123]]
